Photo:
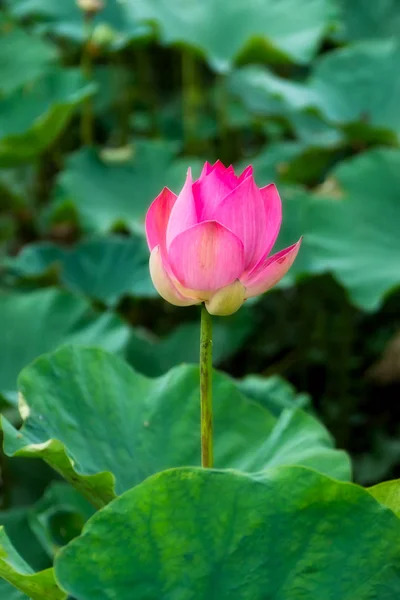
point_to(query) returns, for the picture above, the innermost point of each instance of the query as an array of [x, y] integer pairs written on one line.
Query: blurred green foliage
[[97, 115]]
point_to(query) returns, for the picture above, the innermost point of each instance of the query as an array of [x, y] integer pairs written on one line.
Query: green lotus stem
[[86, 68], [207, 458]]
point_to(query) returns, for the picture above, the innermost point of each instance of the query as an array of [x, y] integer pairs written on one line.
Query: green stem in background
[[125, 100], [224, 149], [207, 458], [87, 72], [146, 86], [189, 99]]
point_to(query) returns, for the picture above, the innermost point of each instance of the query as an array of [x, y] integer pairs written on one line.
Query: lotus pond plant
[[147, 493], [210, 245]]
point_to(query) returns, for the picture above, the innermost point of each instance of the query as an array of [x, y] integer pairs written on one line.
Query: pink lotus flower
[[211, 243]]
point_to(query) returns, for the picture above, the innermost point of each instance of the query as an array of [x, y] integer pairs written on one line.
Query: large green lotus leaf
[[274, 393], [354, 88], [103, 268], [37, 322], [365, 20], [195, 534], [353, 232], [131, 420], [265, 94], [23, 58], [222, 30], [32, 119], [315, 132], [388, 493], [13, 568], [154, 357], [358, 84], [365, 255], [65, 19], [105, 195]]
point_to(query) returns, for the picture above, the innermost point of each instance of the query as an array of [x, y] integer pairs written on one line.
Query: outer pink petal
[[183, 214], [273, 211], [271, 271], [248, 171], [206, 257], [163, 283], [209, 191], [157, 218], [243, 212]]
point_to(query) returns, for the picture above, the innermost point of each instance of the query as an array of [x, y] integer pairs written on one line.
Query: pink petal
[[273, 210], [157, 218], [183, 214], [243, 212], [206, 170], [230, 171], [270, 271], [163, 283], [206, 257], [209, 191], [248, 171], [219, 166], [227, 172]]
